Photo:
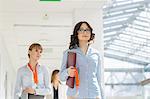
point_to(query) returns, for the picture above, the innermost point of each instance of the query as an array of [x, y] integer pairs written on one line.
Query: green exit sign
[[50, 0]]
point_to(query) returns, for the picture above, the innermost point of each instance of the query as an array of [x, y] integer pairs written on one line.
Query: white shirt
[[25, 79]]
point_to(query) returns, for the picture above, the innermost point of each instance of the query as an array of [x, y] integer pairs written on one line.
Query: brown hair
[[35, 45], [56, 71], [74, 41]]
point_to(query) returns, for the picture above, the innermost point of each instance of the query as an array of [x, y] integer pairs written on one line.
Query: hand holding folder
[[71, 61]]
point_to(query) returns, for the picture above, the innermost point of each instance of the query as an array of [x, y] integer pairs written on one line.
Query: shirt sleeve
[[64, 72], [46, 90], [100, 77], [18, 87]]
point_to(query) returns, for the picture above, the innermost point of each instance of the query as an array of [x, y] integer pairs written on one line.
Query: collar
[[37, 66], [88, 50]]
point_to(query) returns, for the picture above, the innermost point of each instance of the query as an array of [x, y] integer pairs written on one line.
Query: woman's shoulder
[[94, 50], [22, 68], [70, 50], [65, 51], [43, 67]]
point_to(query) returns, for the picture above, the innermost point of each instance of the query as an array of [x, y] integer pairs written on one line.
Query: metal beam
[[147, 18], [115, 23], [114, 29], [126, 41], [142, 20], [139, 70], [140, 29], [122, 84], [126, 59], [129, 34], [124, 7], [137, 36], [111, 35], [124, 13], [144, 28], [129, 47], [130, 53], [116, 17], [123, 23]]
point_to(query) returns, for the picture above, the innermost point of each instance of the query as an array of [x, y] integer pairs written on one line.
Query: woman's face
[[35, 53], [84, 33], [57, 76]]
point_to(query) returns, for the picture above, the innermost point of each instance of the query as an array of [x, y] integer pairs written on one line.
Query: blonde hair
[[54, 73]]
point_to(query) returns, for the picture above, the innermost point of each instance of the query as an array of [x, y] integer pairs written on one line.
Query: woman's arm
[[64, 71]]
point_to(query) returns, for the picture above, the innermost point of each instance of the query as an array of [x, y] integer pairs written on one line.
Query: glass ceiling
[[126, 46], [127, 31]]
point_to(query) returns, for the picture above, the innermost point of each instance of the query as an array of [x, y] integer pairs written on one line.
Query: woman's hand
[[71, 71], [29, 90]]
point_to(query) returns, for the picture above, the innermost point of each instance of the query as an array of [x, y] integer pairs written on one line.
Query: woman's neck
[[33, 64], [55, 84], [83, 46]]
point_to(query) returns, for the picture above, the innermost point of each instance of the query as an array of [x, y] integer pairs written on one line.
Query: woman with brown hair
[[88, 64]]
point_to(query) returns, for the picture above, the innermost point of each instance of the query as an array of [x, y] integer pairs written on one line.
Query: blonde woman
[[32, 78], [58, 89]]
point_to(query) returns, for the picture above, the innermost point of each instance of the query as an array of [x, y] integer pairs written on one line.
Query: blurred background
[[122, 29]]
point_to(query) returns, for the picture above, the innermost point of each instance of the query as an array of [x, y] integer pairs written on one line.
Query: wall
[[52, 32], [6, 72]]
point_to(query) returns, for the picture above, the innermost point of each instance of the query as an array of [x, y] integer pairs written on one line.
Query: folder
[[71, 61], [31, 96]]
